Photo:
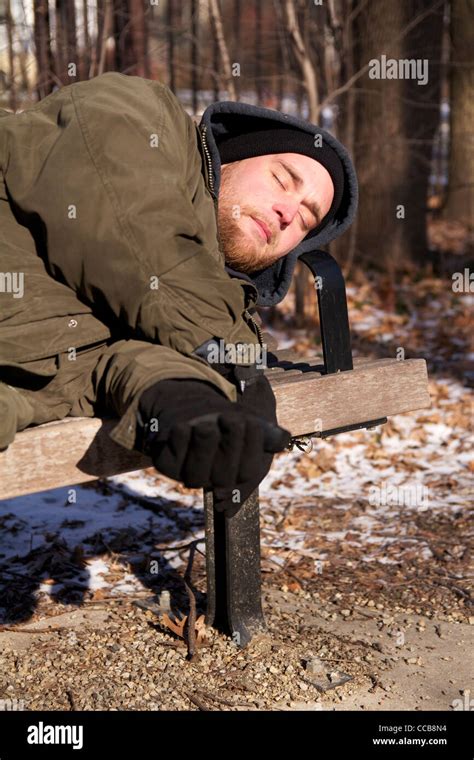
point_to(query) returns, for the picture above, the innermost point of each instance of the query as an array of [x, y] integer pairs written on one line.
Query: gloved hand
[[255, 397], [194, 434]]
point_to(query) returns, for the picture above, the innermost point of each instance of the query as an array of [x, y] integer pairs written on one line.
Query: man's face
[[267, 205]]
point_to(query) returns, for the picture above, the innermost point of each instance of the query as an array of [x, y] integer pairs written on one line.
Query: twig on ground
[[197, 702], [190, 626]]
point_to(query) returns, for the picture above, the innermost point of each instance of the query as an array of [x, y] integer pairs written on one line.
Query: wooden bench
[[319, 396]]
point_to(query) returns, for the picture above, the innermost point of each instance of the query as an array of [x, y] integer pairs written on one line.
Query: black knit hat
[[285, 139]]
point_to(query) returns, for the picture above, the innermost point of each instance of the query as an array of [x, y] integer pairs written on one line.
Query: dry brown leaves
[[178, 626]]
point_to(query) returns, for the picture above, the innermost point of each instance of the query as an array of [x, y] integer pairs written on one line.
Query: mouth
[[264, 229]]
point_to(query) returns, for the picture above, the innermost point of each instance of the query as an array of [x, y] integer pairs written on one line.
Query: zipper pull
[[257, 329]]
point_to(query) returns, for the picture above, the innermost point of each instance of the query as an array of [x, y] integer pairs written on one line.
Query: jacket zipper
[[211, 188], [257, 327], [209, 162]]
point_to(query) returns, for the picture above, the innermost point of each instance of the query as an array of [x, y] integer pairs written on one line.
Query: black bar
[[347, 428], [234, 601], [333, 317]]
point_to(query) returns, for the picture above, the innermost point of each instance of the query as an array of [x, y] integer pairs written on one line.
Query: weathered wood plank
[[309, 402], [73, 450], [77, 450]]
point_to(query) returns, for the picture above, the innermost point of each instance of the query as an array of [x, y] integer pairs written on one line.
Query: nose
[[286, 211]]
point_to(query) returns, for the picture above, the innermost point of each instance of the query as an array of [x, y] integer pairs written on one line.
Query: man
[[133, 243]]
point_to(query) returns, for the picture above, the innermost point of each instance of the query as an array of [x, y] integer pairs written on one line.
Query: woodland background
[[412, 144]]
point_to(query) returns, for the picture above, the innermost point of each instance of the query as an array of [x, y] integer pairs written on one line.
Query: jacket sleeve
[[107, 175]]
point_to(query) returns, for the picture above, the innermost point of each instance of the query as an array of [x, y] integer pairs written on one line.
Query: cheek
[[289, 238]]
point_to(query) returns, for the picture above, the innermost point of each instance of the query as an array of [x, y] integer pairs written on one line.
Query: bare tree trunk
[[222, 46], [22, 57], [421, 116], [380, 150], [195, 54], [304, 62], [215, 67], [107, 27], [71, 40], [61, 40], [258, 51], [170, 36], [460, 198], [44, 83], [237, 53], [100, 41], [390, 144], [282, 62], [86, 53], [121, 26], [279, 74], [66, 42], [11, 62], [342, 25], [138, 43]]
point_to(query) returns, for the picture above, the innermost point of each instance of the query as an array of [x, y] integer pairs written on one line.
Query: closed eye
[[279, 182], [306, 226]]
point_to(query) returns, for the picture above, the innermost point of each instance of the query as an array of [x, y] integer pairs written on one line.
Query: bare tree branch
[[222, 45]]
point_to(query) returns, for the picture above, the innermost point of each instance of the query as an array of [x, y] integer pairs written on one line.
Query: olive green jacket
[[106, 210]]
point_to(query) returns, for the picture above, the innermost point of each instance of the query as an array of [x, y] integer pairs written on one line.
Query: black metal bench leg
[[234, 600]]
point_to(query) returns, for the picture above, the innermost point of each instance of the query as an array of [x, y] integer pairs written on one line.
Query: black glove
[[194, 434], [255, 396]]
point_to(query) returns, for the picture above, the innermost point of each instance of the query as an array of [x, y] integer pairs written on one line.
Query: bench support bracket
[[332, 305], [234, 604]]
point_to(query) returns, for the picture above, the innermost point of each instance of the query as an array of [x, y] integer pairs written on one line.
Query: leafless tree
[[304, 59], [86, 53], [170, 35], [44, 84], [138, 40], [228, 79], [10, 34], [460, 198], [237, 39], [394, 131], [195, 53], [258, 50]]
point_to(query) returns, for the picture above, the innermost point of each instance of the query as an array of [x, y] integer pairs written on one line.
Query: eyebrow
[[314, 207]]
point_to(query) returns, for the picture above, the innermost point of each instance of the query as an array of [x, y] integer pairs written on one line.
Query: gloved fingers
[[227, 458], [253, 466], [230, 500], [252, 450], [223, 498], [168, 456], [275, 438], [247, 487], [259, 398], [204, 441]]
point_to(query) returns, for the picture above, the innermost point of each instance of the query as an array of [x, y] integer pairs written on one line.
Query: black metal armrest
[[334, 323], [333, 317]]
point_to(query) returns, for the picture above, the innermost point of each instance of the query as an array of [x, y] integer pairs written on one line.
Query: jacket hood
[[229, 118]]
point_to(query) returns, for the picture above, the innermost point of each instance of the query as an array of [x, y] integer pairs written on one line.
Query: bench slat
[[309, 402], [73, 450], [77, 450]]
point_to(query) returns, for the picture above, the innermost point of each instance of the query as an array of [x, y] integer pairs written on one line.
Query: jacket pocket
[[27, 343]]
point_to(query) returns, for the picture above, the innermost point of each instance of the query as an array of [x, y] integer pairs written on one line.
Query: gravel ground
[[114, 655]]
